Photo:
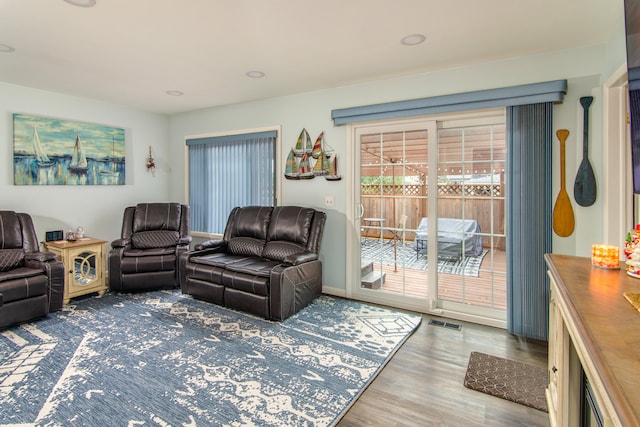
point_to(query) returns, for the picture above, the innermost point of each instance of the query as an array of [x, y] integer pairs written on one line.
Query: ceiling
[[131, 52]]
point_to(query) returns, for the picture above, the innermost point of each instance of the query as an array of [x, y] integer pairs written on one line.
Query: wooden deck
[[487, 290]]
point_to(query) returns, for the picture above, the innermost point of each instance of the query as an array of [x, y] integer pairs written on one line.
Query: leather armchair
[[31, 281], [153, 237]]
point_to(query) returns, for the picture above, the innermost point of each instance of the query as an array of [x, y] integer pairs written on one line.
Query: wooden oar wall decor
[[584, 189], [563, 219]]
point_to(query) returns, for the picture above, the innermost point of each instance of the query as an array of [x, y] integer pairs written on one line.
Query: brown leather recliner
[[152, 239], [266, 264], [31, 281]]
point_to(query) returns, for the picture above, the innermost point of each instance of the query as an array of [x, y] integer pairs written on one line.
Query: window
[[225, 171]]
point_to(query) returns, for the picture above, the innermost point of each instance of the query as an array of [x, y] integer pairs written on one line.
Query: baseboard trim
[[336, 292]]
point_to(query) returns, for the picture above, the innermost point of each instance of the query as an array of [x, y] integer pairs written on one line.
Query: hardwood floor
[[422, 385], [489, 289]]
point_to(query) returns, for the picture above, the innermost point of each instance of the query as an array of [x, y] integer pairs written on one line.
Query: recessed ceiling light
[[82, 3], [255, 74], [413, 39], [174, 93], [6, 48]]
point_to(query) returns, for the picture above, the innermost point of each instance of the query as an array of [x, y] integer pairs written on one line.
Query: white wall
[[98, 209], [583, 68]]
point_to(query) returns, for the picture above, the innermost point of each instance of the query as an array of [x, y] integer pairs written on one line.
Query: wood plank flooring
[[422, 385]]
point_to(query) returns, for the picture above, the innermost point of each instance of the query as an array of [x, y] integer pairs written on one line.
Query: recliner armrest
[[40, 256], [211, 244], [184, 240], [300, 258], [120, 243]]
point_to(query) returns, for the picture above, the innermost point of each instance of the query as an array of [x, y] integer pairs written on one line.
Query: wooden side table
[[84, 262]]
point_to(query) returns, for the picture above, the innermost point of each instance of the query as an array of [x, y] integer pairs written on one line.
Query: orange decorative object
[[605, 256]]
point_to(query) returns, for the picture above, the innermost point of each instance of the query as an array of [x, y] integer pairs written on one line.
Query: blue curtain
[[529, 218], [229, 171]]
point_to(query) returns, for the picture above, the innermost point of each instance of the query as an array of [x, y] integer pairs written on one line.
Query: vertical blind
[[529, 218], [229, 171]]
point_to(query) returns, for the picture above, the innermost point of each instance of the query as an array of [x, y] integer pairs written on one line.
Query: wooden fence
[[390, 201]]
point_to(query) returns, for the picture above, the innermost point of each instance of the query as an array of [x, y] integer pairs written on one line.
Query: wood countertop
[[608, 325]]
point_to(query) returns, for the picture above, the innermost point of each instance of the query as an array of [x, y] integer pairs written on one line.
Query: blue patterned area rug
[[373, 250], [162, 358]]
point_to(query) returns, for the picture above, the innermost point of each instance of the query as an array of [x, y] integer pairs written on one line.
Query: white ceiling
[[131, 52]]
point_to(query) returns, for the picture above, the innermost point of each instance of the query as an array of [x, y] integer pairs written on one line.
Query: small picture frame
[[54, 235]]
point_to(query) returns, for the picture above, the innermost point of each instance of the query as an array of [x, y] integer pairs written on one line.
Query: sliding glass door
[[429, 205], [471, 233], [393, 169]]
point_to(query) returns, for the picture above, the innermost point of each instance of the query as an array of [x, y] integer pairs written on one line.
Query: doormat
[[507, 379]]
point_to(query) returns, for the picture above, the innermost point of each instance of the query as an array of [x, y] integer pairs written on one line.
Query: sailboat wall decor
[[53, 151], [304, 144], [304, 169], [291, 167], [318, 159], [332, 174]]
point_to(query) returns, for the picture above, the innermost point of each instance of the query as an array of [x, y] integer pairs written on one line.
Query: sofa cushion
[[11, 258], [146, 264], [250, 221], [20, 273], [279, 250], [10, 230], [149, 252], [14, 290], [254, 266], [291, 223], [155, 239], [246, 246], [220, 259], [156, 216], [249, 283]]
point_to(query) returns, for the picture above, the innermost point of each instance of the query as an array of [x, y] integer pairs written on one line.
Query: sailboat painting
[[51, 151], [42, 160]]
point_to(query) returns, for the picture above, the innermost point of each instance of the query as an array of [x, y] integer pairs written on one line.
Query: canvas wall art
[[49, 151]]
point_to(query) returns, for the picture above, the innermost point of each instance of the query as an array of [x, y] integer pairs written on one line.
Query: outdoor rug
[[405, 256], [162, 358], [515, 381]]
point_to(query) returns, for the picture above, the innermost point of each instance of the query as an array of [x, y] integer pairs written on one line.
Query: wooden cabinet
[[594, 332], [84, 262]]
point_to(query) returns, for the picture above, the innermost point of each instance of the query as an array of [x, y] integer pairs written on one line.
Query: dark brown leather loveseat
[[31, 281], [266, 263]]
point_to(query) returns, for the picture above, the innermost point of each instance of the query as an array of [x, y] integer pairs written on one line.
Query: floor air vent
[[445, 324]]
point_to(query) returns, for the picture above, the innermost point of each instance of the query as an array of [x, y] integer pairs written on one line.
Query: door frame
[[354, 213]]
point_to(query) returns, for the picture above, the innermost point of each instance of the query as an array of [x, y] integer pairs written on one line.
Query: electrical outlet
[[328, 201]]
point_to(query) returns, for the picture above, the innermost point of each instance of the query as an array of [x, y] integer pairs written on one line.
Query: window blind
[[229, 171]]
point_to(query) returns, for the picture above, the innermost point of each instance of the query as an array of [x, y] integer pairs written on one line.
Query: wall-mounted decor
[[151, 164], [49, 151], [326, 162]]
